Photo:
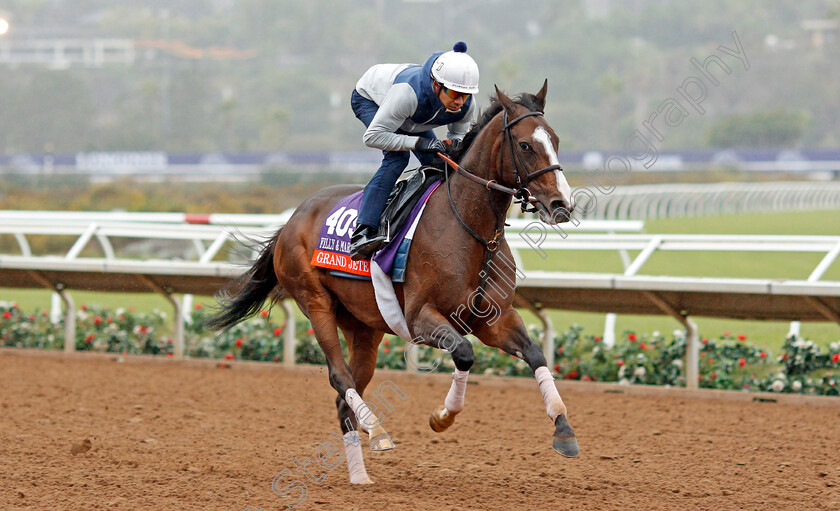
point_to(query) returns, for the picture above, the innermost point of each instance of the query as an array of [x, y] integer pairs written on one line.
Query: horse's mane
[[529, 101]]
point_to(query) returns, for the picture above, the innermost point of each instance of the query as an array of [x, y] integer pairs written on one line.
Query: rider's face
[[450, 103]]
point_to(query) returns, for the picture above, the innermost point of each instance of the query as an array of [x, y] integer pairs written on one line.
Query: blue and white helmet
[[456, 70]]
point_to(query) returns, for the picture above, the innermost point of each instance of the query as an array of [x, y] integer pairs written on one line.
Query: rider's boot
[[364, 242]]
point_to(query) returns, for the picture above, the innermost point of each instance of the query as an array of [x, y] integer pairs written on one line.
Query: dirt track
[[165, 435]]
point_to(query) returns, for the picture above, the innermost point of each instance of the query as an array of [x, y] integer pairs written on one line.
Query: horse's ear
[[540, 96], [507, 103]]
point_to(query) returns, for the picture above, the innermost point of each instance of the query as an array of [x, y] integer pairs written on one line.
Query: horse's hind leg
[[363, 343], [319, 308]]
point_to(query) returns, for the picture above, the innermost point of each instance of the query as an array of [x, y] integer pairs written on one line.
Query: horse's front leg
[[431, 328], [509, 334]]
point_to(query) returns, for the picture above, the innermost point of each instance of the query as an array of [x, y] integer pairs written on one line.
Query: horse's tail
[[244, 297]]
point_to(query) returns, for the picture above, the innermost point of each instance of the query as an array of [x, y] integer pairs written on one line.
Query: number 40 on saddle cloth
[[333, 250]]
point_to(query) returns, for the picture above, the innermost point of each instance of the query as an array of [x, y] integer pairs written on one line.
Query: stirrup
[[363, 247]]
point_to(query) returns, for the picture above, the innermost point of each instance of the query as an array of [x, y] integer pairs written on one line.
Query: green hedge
[[728, 362]]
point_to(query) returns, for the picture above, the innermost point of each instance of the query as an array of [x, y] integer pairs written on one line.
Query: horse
[[459, 267]]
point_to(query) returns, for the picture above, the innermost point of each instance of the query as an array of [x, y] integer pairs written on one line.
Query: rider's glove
[[452, 146], [430, 145]]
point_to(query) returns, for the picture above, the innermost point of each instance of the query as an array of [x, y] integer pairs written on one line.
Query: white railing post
[[289, 340], [69, 320]]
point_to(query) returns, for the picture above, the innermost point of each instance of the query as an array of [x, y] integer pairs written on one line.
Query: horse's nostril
[[560, 211], [557, 204]]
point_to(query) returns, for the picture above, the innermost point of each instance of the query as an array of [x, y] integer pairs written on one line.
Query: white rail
[[645, 202]]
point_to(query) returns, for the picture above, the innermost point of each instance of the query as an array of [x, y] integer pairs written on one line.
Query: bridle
[[521, 194]]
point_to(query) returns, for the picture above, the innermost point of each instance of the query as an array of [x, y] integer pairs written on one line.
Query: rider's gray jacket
[[407, 101]]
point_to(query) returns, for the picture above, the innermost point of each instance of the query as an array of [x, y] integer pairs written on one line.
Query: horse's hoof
[[565, 442], [366, 480], [381, 442], [441, 419]]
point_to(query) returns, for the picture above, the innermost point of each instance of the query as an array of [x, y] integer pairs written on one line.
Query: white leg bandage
[[553, 404], [355, 462], [454, 401], [364, 415]]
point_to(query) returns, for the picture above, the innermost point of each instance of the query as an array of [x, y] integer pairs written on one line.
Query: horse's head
[[529, 157]]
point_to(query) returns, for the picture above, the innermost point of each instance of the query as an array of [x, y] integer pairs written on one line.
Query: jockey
[[400, 104]]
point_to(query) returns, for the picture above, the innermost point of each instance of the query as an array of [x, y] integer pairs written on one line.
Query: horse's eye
[[525, 146]]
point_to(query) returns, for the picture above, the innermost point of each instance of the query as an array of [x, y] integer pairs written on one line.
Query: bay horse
[[510, 152]]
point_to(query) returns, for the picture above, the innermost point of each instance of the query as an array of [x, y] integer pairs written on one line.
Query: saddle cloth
[[405, 206]]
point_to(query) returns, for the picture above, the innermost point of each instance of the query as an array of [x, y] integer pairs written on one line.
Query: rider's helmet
[[456, 70]]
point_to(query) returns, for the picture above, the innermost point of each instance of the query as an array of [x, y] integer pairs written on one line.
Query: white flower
[[796, 386], [677, 363], [622, 371], [120, 311], [624, 381], [655, 333], [778, 386], [640, 371]]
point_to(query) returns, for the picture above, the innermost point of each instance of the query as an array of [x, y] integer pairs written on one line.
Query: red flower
[[278, 331], [131, 309], [386, 342], [275, 358], [835, 358], [560, 350], [711, 361], [7, 315], [45, 313], [726, 334], [90, 338], [143, 330], [597, 338], [264, 314], [31, 317], [585, 377], [742, 337], [198, 307], [229, 356], [556, 368], [169, 341], [170, 355], [109, 320], [238, 343], [572, 375], [620, 363], [704, 340], [84, 307], [97, 320], [643, 346], [631, 337], [762, 355], [714, 375], [387, 350], [742, 362], [310, 331]]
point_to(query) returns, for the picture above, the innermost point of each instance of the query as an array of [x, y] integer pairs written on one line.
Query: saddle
[[407, 191]]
